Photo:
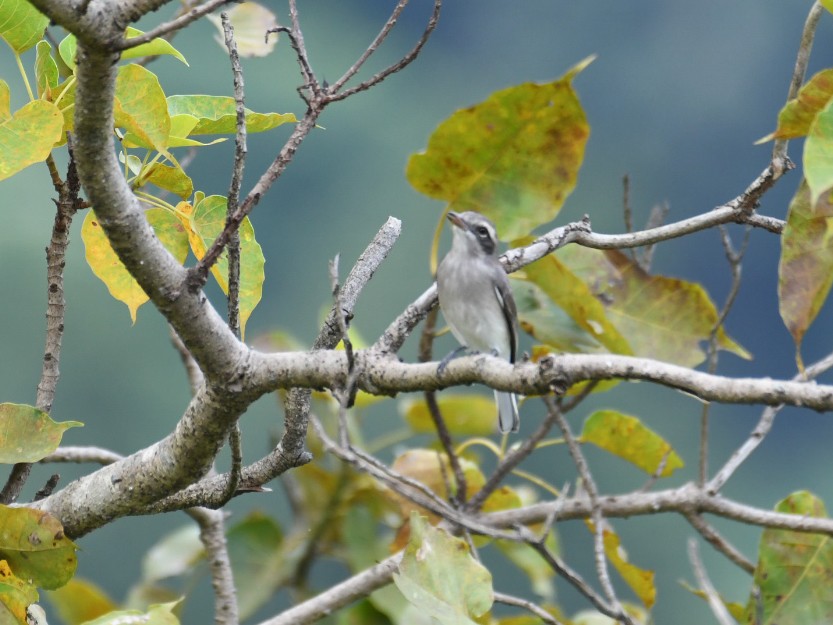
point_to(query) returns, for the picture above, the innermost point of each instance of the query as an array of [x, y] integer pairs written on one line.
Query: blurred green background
[[676, 98]]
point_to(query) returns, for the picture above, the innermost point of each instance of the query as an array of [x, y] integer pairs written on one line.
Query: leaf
[[827, 4], [514, 157], [793, 571], [818, 153], [109, 269], [35, 547], [28, 434], [250, 22], [15, 596], [255, 549], [438, 575], [627, 437], [640, 581], [21, 24], [140, 107], [539, 572], [176, 553], [663, 318], [206, 223], [169, 178], [5, 101], [158, 614], [46, 70], [80, 601], [27, 138], [805, 272], [154, 47], [181, 127], [574, 297], [465, 415], [67, 50], [798, 114], [218, 115]]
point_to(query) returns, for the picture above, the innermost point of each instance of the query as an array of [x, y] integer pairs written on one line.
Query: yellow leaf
[[140, 107], [80, 601], [28, 136], [465, 415]]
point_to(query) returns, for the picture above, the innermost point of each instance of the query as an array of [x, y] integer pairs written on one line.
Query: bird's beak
[[456, 220]]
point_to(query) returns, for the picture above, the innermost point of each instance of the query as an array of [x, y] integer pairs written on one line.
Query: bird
[[477, 302]]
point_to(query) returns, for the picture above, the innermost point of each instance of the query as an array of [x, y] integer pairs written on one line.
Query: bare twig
[[779, 148], [527, 605], [213, 538], [718, 609], [47, 488], [178, 23], [720, 543], [78, 455]]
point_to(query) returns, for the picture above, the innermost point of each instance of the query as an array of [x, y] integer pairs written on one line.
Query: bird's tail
[[507, 412]]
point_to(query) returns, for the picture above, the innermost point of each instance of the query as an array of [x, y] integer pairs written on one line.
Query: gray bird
[[477, 301]]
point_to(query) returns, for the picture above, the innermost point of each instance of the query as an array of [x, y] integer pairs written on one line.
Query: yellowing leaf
[[439, 576], [5, 101], [28, 137], [805, 273], [21, 24], [80, 601], [662, 318], [35, 547], [28, 434], [798, 114], [627, 437], [15, 596], [154, 47], [206, 223], [110, 270], [250, 22], [641, 581], [793, 571], [827, 4], [172, 179], [46, 70], [818, 153], [465, 415], [140, 107], [514, 157], [218, 115]]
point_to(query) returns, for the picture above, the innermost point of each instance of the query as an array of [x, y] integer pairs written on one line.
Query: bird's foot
[[449, 357]]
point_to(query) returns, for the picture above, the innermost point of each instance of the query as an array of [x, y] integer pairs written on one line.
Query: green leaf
[[827, 4], [106, 265], [35, 547], [818, 153], [181, 127], [627, 437], [217, 115], [798, 114], [805, 272], [465, 415], [255, 549], [176, 553], [514, 157], [140, 107], [28, 434], [67, 49], [27, 138], [154, 47], [15, 596], [250, 22], [80, 601], [21, 24], [793, 571], [46, 70], [438, 575], [206, 223], [158, 614], [662, 318]]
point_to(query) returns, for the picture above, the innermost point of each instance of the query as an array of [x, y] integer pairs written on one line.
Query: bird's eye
[[482, 231]]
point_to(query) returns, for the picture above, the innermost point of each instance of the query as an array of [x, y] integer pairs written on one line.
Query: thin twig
[[178, 23], [527, 605], [720, 543], [717, 607], [47, 488], [399, 65], [779, 148], [213, 538]]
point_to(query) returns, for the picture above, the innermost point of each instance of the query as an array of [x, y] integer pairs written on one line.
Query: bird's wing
[[510, 311]]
